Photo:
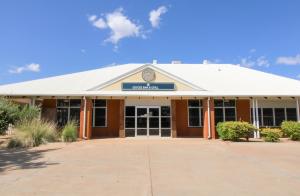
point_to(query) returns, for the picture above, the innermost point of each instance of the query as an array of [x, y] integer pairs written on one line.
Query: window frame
[[200, 107], [261, 113], [68, 107], [99, 107], [224, 107]]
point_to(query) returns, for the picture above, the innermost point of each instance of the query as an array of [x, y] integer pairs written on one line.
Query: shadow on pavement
[[13, 159]]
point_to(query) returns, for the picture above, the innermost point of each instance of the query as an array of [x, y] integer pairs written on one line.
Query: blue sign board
[[143, 86]]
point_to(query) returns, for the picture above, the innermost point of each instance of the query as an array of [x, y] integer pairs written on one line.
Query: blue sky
[[46, 38]]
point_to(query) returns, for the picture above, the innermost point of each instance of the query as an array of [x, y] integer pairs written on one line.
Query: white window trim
[[200, 113], [99, 107], [223, 107], [273, 112], [67, 107]]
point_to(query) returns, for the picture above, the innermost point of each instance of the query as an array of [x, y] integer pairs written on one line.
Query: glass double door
[[148, 121]]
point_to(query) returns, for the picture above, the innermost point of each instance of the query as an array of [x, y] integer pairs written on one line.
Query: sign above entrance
[[143, 86]]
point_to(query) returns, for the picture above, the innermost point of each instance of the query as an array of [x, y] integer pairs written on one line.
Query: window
[[279, 116], [269, 117], [195, 113], [165, 113], [99, 113], [68, 109], [291, 114], [224, 110]]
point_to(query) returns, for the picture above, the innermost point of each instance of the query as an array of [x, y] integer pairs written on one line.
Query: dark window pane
[[141, 122], [166, 122], [141, 131], [260, 116], [100, 103], [129, 122], [62, 116], [154, 132], [218, 115], [153, 112], [130, 111], [194, 118], [141, 111], [153, 122], [166, 132], [218, 103], [165, 111], [268, 117], [75, 115], [100, 115], [291, 114], [62, 103], [75, 102], [229, 103], [129, 132], [194, 103], [230, 114], [279, 116]]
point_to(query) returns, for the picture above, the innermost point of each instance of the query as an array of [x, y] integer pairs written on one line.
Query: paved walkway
[[152, 167]]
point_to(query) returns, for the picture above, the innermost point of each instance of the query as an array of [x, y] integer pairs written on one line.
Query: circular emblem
[[148, 75]]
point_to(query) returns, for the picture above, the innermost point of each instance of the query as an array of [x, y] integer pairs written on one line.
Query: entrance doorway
[[149, 121]]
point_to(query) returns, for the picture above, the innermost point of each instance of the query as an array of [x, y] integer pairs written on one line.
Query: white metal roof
[[216, 79]]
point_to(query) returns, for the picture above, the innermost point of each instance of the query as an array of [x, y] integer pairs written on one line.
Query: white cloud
[[253, 50], [289, 60], [247, 62], [206, 61], [120, 26], [250, 62], [262, 61], [33, 67], [154, 16]]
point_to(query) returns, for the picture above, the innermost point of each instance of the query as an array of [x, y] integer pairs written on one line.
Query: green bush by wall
[[271, 134], [234, 130], [69, 132], [291, 129]]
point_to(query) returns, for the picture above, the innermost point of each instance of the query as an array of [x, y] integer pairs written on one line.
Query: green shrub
[[28, 113], [271, 135], [9, 114], [33, 133], [69, 132], [234, 130], [291, 129]]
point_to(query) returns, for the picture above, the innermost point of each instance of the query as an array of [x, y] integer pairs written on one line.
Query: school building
[[161, 100]]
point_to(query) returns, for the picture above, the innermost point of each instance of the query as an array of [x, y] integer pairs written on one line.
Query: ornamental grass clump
[[69, 132], [291, 129], [271, 134], [33, 133], [234, 130]]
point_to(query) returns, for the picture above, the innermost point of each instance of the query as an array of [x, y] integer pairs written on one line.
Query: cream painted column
[[257, 120], [254, 116], [298, 108]]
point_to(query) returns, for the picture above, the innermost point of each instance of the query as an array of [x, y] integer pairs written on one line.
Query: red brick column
[[122, 127], [206, 120], [243, 110], [174, 126]]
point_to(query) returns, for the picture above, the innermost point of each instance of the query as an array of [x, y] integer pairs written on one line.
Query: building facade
[[161, 100]]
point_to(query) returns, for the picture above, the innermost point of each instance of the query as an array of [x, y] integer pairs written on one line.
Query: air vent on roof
[[176, 62]]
